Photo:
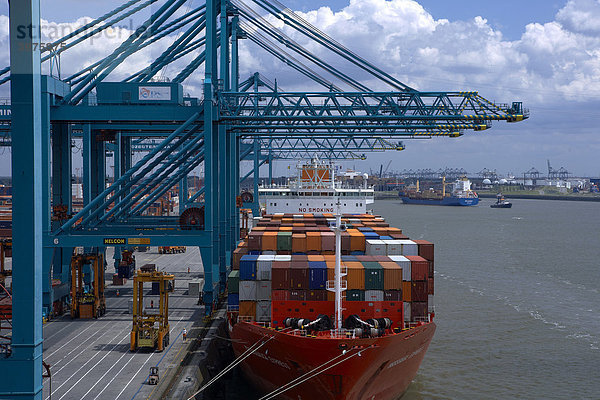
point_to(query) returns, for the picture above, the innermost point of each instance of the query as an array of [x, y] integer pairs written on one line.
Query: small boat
[[500, 202]]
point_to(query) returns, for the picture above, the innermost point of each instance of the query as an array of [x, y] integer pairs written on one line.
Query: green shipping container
[[233, 282], [284, 241], [355, 295], [373, 275]]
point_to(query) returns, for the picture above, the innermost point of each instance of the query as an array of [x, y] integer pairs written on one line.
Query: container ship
[[461, 195], [326, 301]]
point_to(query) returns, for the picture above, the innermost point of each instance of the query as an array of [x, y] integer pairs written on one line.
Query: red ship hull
[[382, 371]]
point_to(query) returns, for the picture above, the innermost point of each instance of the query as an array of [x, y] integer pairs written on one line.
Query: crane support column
[[225, 194], [209, 251], [61, 194], [21, 376]]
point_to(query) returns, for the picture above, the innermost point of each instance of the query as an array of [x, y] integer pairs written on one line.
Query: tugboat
[[500, 202]]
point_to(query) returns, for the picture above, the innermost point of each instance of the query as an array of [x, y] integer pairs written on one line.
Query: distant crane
[[382, 171], [560, 173], [532, 174]]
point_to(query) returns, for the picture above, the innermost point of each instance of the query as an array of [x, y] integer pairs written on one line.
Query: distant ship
[[461, 195], [500, 202]]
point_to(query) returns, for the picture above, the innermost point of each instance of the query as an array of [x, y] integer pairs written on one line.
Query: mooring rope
[[235, 362]]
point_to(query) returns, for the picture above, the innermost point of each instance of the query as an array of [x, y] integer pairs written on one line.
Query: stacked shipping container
[[287, 259]]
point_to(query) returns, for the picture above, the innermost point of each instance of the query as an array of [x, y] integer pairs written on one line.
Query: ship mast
[[338, 268]]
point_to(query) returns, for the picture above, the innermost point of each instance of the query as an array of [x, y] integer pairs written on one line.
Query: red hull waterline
[[382, 371]]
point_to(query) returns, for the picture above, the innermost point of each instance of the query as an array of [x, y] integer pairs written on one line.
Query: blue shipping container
[[248, 267], [233, 299], [318, 274]]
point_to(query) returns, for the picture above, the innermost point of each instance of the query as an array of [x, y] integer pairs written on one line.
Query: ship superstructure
[[314, 191]]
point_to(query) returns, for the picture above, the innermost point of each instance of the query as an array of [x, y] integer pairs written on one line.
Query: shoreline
[[394, 195]]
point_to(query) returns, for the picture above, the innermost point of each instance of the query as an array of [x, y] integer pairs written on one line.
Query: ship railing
[[330, 285], [342, 333], [245, 318]]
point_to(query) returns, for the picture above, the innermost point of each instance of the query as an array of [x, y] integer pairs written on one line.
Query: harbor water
[[517, 295]]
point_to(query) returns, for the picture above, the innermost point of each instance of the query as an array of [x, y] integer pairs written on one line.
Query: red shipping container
[[297, 295], [430, 286], [426, 249], [346, 243], [430, 271], [392, 295], [327, 241], [419, 268], [418, 291], [418, 310], [316, 295], [299, 275], [280, 275], [255, 240], [280, 295]]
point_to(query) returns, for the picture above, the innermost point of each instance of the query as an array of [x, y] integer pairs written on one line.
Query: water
[[517, 299]]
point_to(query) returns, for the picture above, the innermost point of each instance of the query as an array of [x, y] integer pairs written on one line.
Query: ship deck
[[90, 358]]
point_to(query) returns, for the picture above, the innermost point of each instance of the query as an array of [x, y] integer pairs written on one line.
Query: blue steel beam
[[21, 376], [125, 179], [178, 45], [123, 51], [187, 153], [190, 163], [129, 199], [258, 23], [160, 34], [291, 19]]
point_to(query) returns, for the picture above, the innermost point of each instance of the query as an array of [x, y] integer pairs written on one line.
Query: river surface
[[517, 294]]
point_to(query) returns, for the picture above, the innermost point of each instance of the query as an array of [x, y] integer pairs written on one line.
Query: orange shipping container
[[269, 241], [356, 275], [313, 241], [248, 309], [357, 241], [298, 243], [317, 258], [406, 291], [392, 276]]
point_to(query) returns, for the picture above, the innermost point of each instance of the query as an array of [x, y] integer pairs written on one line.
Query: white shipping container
[[263, 311], [263, 270], [375, 247], [404, 263], [430, 306], [393, 247], [263, 290], [406, 311], [409, 248], [247, 290], [373, 295], [281, 257]]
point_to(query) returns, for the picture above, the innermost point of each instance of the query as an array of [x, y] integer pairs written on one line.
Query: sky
[[545, 53]]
